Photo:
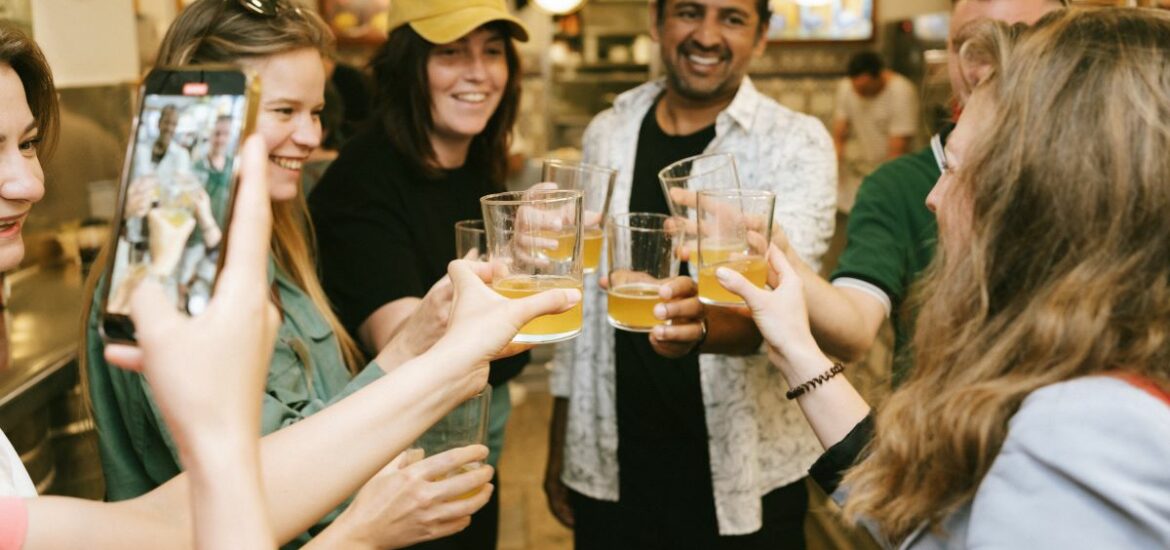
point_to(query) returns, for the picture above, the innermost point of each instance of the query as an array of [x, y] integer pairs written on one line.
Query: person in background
[[1038, 411], [448, 82], [676, 439], [891, 234], [315, 363], [235, 495], [879, 109]]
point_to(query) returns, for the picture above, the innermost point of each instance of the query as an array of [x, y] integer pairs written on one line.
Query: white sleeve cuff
[[868, 288]]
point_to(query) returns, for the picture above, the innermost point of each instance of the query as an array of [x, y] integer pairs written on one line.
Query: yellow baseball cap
[[445, 21]]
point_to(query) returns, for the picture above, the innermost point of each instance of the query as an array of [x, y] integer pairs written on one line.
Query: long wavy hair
[[221, 31], [1065, 271], [403, 104]]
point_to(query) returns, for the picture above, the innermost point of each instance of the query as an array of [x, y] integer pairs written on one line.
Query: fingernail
[[724, 274], [665, 292], [660, 311], [659, 332], [573, 295]]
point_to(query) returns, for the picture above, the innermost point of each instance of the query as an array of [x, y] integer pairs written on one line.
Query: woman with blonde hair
[[1037, 414], [314, 363]]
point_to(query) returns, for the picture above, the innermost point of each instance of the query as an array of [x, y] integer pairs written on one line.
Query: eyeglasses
[[938, 144]]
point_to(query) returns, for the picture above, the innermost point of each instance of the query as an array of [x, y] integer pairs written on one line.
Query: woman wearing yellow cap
[[448, 80]]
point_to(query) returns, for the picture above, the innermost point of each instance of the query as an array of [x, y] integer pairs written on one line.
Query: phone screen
[[176, 194]]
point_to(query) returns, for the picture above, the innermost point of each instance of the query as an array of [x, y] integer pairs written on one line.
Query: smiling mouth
[[704, 60], [8, 224], [471, 97], [287, 163]]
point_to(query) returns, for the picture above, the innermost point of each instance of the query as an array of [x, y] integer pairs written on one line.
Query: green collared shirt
[[307, 374]]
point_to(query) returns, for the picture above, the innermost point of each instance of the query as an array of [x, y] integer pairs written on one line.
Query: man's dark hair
[[869, 63], [763, 8]]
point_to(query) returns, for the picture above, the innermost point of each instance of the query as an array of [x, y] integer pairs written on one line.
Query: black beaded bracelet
[[806, 387]]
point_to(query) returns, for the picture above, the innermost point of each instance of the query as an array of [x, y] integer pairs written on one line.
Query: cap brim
[[449, 27]]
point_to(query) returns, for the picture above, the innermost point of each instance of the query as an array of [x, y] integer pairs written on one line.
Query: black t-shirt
[[662, 430], [385, 231]]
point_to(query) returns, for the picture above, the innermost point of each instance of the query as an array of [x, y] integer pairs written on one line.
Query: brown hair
[[403, 104], [18, 51], [1066, 270]]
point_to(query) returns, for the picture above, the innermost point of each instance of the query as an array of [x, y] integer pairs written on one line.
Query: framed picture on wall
[[356, 21], [822, 21]]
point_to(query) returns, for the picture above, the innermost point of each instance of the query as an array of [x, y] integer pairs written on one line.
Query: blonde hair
[[1066, 272], [220, 31]]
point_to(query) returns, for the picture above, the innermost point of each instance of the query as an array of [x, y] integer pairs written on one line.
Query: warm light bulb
[[559, 7]]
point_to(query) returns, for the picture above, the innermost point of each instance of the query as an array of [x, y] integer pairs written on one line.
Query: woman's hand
[[411, 502], [483, 322], [780, 314], [188, 360]]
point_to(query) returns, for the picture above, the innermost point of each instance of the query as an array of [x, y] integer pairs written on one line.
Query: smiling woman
[[449, 84]]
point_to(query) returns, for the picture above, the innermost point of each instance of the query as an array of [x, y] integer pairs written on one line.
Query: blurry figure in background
[[879, 108], [86, 152], [355, 87]]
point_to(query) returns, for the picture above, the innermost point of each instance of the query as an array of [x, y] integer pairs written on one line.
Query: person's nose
[[308, 132], [21, 178]]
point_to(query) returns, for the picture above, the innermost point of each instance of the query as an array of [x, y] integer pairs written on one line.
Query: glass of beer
[[466, 425], [596, 182], [643, 255], [470, 240], [734, 229], [682, 181], [534, 244]]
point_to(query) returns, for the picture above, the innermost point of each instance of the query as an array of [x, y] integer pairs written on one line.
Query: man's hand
[[685, 317]]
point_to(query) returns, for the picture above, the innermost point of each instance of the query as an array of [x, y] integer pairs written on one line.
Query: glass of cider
[[643, 255], [466, 425], [596, 182], [534, 244], [470, 241], [734, 229], [682, 181]]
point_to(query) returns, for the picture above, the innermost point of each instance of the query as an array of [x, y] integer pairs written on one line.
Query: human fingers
[[690, 308], [437, 466], [124, 357], [246, 261], [153, 313], [683, 197], [548, 302], [462, 483], [784, 272], [513, 348], [682, 333], [677, 288], [735, 282]]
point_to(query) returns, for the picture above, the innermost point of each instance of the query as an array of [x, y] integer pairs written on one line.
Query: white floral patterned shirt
[[759, 441]]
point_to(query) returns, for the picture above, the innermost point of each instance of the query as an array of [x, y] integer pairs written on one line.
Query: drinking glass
[[682, 181], [534, 244], [734, 228], [466, 425], [596, 182], [643, 255], [470, 240]]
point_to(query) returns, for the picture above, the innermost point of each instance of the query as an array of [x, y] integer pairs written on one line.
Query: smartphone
[[178, 185]]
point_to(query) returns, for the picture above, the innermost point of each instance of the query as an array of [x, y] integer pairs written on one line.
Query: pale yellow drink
[[546, 328], [716, 252], [711, 292], [461, 470], [631, 307], [563, 249], [591, 255]]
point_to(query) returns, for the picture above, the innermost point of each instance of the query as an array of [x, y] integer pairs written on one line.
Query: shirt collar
[[741, 110]]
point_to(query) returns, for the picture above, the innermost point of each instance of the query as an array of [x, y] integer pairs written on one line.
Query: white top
[[14, 480], [759, 441], [874, 120]]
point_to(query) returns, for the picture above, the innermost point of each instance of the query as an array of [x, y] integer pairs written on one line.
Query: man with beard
[[682, 438]]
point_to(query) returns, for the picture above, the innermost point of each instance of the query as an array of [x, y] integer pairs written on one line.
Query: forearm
[[832, 408], [730, 332], [838, 322], [226, 495]]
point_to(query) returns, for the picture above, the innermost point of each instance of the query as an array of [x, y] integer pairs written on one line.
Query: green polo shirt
[[306, 374], [891, 238]]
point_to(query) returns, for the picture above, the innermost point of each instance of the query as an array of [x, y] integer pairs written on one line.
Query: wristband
[[806, 387]]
